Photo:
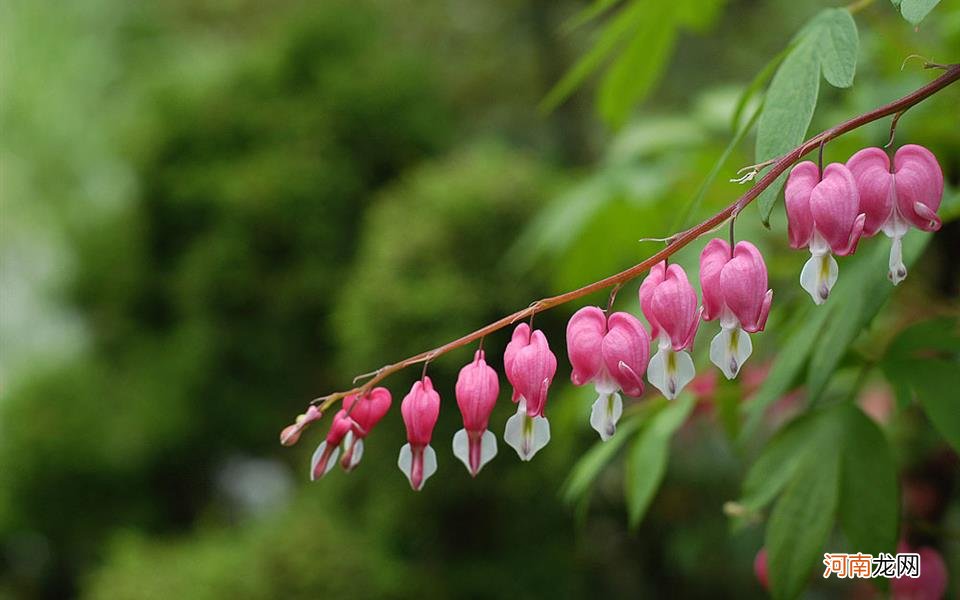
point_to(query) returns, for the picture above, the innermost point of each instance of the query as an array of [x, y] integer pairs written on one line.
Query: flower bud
[[477, 390], [420, 409]]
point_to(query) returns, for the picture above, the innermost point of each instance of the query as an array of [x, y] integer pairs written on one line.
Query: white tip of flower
[[352, 451], [898, 270], [483, 451], [417, 466], [730, 349], [525, 434], [605, 414], [670, 371], [323, 460], [818, 276]]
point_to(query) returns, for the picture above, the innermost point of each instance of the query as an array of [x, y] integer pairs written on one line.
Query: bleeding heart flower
[[760, 568], [365, 413], [612, 353], [530, 367], [477, 390], [735, 291], [824, 215], [420, 409], [669, 303], [291, 433], [931, 581], [325, 456], [894, 199]]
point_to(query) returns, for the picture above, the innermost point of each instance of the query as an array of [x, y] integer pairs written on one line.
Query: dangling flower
[[824, 215], [530, 367], [291, 433], [613, 354], [420, 409], [364, 413], [325, 456], [669, 303], [477, 390], [893, 200], [734, 291]]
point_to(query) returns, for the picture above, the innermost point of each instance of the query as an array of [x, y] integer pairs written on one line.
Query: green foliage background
[[213, 211]]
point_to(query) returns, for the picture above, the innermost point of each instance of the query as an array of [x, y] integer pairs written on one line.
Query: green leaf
[[869, 496], [837, 47], [935, 382], [694, 204], [915, 11], [860, 292], [801, 522], [647, 461], [588, 14], [589, 467], [613, 34], [758, 82], [633, 73], [792, 357], [788, 109], [792, 446], [940, 335]]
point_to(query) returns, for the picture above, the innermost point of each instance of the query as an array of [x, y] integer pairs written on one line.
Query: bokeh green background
[[216, 210]]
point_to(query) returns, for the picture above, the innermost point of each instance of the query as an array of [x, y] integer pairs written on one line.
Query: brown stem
[[677, 241]]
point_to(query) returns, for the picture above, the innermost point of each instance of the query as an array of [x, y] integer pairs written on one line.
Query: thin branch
[[677, 241]]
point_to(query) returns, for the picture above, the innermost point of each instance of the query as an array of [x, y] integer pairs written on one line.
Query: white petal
[[818, 276], [730, 349], [461, 447], [318, 455], [488, 447], [429, 467], [898, 270], [429, 463], [670, 371], [355, 455], [605, 414], [405, 461], [526, 435]]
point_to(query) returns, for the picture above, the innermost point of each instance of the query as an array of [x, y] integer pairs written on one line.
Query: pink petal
[[420, 409], [585, 333], [626, 350], [650, 283], [743, 282], [477, 389], [532, 370], [674, 306], [835, 204], [870, 168], [918, 180], [800, 183], [714, 256], [369, 409], [519, 339]]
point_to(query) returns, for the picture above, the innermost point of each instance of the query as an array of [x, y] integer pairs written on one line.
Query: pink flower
[[735, 291], [364, 413], [931, 582], [760, 568], [824, 215], [612, 353], [669, 303], [530, 367], [477, 390], [894, 199], [291, 433], [420, 409], [325, 456]]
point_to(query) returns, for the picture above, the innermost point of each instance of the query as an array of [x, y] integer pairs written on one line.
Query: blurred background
[[216, 210]]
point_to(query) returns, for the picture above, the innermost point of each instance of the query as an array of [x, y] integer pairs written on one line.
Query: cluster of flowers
[[829, 212], [612, 351]]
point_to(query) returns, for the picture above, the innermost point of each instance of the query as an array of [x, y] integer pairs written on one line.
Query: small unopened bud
[[291, 433]]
